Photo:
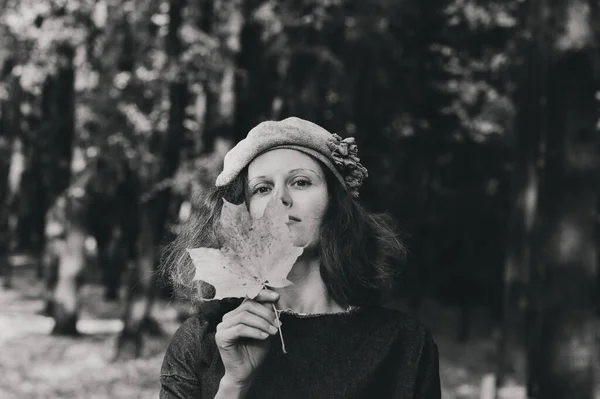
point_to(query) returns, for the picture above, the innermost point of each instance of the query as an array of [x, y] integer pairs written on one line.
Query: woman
[[340, 343]]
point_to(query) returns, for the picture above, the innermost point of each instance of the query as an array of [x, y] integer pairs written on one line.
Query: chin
[[300, 242], [308, 245]]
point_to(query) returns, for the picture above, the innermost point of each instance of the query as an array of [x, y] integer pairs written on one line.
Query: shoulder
[[402, 328], [189, 349], [414, 347], [192, 348], [192, 328]]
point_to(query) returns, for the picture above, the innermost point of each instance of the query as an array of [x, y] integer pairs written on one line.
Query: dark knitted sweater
[[369, 352]]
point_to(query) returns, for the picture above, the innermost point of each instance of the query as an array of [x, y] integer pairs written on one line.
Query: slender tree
[[526, 141], [11, 167], [564, 328], [54, 169]]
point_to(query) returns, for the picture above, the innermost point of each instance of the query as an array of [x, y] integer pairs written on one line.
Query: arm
[[240, 341], [428, 374], [177, 387], [183, 358], [228, 389]]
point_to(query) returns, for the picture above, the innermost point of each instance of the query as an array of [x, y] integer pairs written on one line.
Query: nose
[[285, 198]]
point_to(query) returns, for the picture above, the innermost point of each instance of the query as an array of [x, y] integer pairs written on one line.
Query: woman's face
[[299, 183]]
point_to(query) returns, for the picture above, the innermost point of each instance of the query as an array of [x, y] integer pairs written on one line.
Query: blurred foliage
[[440, 65], [425, 86]]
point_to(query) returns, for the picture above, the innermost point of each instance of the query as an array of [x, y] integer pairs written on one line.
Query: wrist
[[230, 388]]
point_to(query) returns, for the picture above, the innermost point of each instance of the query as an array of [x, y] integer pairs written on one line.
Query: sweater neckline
[[351, 310]]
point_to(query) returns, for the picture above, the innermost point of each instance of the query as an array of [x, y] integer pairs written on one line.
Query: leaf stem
[[279, 326]]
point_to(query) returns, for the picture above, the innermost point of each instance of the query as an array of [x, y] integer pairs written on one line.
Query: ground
[[34, 364]]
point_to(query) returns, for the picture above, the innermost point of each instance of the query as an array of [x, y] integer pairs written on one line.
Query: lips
[[293, 219]]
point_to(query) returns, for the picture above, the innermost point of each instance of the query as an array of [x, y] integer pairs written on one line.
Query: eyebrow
[[290, 172], [301, 169]]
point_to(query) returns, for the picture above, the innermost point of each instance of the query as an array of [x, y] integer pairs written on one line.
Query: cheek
[[314, 214], [319, 207], [256, 207], [256, 211]]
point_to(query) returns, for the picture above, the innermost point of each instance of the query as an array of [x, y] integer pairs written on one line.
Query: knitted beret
[[337, 154]]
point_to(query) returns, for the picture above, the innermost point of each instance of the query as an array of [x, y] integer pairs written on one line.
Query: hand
[[242, 337]]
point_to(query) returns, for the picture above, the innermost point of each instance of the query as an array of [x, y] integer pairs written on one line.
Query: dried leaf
[[254, 254]]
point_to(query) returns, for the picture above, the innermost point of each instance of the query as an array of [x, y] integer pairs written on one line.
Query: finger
[[267, 296], [236, 310], [250, 319], [231, 335], [262, 310]]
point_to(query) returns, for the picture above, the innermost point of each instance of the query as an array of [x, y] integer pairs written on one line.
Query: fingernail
[[278, 323], [273, 329]]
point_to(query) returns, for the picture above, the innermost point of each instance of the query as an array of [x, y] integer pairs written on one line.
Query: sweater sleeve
[[184, 362], [428, 374]]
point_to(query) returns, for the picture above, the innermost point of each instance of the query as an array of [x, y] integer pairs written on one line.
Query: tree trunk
[[154, 214], [65, 303], [137, 317], [254, 84], [50, 151], [9, 130], [10, 217], [230, 20], [11, 172], [565, 326], [526, 143], [209, 117], [54, 168], [222, 20], [63, 256], [58, 125]]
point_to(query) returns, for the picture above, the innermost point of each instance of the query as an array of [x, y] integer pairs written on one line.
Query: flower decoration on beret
[[344, 153]]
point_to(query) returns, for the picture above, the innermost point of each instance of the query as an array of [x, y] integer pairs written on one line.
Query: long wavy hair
[[361, 254]]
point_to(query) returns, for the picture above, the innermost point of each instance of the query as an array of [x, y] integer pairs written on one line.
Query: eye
[[261, 189], [301, 182]]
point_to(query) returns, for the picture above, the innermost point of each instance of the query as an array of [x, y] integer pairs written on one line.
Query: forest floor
[[34, 364]]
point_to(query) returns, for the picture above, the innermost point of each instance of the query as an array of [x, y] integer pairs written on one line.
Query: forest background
[[477, 120]]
